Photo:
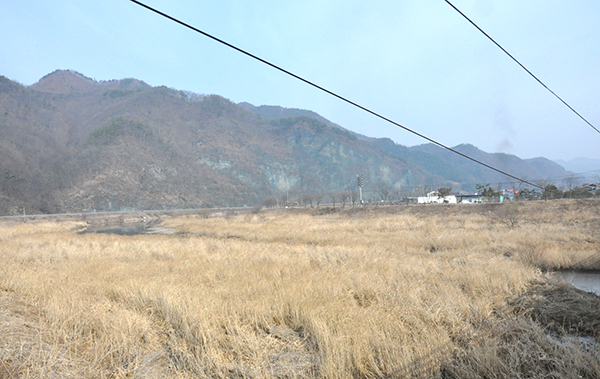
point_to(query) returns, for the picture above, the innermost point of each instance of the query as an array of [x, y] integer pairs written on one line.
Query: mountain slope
[[273, 112], [467, 171], [581, 165], [70, 143]]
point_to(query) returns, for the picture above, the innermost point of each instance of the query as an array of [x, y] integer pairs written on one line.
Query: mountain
[[274, 112], [465, 171], [70, 143], [581, 165]]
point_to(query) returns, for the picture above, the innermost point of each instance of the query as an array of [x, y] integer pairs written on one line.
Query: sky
[[417, 62]]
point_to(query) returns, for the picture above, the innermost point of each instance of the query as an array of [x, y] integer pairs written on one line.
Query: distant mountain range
[[586, 166], [70, 143]]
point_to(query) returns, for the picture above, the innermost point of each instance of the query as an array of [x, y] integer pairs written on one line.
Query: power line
[[578, 175], [522, 66], [329, 92]]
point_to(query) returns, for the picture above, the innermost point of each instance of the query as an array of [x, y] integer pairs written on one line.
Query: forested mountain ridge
[[70, 143]]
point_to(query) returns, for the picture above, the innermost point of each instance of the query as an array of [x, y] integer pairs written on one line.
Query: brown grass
[[373, 293]]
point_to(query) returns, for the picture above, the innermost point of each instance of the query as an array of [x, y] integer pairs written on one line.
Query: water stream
[[588, 281], [133, 230]]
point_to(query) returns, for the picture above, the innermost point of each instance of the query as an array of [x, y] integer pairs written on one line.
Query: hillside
[[273, 112], [591, 167], [466, 171], [69, 143]]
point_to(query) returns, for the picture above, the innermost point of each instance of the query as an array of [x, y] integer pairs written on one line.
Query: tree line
[[384, 194]]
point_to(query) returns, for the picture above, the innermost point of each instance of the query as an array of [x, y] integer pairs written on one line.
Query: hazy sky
[[417, 62]]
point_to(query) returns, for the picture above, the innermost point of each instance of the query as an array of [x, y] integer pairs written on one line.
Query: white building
[[435, 198], [470, 199]]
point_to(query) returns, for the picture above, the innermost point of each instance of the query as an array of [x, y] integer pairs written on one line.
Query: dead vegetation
[[415, 292]]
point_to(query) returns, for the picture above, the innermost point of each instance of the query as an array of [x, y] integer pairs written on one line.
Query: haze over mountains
[[69, 143], [581, 165]]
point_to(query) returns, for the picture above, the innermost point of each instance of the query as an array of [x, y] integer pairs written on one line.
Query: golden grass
[[395, 292]]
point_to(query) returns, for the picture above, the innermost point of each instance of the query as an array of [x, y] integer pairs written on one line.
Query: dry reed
[[413, 292]]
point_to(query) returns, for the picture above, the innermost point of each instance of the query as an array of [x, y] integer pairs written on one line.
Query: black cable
[[522, 66], [329, 92], [577, 175]]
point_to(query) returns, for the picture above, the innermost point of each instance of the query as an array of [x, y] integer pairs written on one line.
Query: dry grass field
[[433, 291]]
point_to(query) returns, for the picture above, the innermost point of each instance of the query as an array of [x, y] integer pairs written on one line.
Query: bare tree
[[353, 195], [294, 197], [499, 188], [383, 191], [318, 197], [420, 191], [597, 182], [334, 196], [307, 199], [269, 202], [343, 197], [404, 195], [542, 183], [283, 200], [568, 183], [394, 196]]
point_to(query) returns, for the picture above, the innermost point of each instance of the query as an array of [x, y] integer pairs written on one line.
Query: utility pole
[[360, 185], [24, 220]]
